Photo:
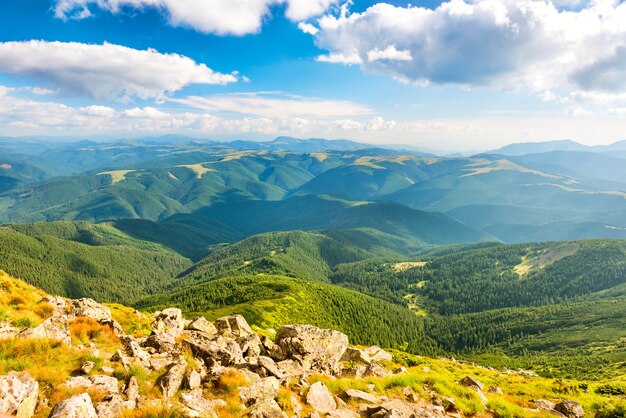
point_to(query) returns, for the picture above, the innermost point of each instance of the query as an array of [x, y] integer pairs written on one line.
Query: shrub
[[610, 410], [44, 310], [609, 389]]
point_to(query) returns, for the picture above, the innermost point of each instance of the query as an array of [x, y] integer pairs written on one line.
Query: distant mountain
[[539, 147]]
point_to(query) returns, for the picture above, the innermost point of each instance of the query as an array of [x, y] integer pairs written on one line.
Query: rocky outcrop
[[92, 309], [318, 350], [78, 406], [55, 328], [570, 409], [320, 398], [106, 384], [233, 326], [172, 380], [18, 395]]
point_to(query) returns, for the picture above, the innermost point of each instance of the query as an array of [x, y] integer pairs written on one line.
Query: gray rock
[[201, 324], [78, 406], [544, 404], [162, 343], [359, 395], [54, 328], [58, 303], [169, 321], [99, 382], [262, 390], [570, 409], [356, 355], [92, 309], [472, 382], [193, 380], [342, 413], [317, 349], [214, 351], [18, 394], [234, 326], [86, 367], [267, 408], [111, 407], [172, 380], [271, 367], [375, 370], [378, 354], [320, 398], [196, 402], [132, 392]]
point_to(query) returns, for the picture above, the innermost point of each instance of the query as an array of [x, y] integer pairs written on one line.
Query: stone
[[291, 368], [267, 408], [86, 367], [320, 398], [271, 367], [110, 407], [262, 390], [375, 370], [57, 302], [107, 384], [132, 392], [54, 328], [169, 321], [193, 380], [356, 355], [195, 401], [201, 324], [214, 351], [251, 346], [78, 406], [495, 390], [172, 380], [544, 404], [18, 394], [342, 413], [162, 343], [92, 309], [378, 354], [234, 326], [355, 372], [570, 409], [319, 350], [359, 395], [472, 382]]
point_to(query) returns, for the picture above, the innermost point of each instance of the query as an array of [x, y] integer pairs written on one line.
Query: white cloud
[[105, 71], [307, 28], [521, 45], [275, 105], [223, 17], [390, 54]]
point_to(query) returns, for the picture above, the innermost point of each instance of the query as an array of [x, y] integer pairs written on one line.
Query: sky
[[451, 75]]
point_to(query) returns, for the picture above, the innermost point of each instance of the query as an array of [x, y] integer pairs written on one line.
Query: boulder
[[111, 407], [172, 380], [193, 380], [86, 367], [570, 409], [270, 366], [378, 354], [214, 351], [107, 384], [359, 395], [320, 398], [268, 408], [251, 346], [162, 343], [544, 404], [169, 321], [78, 406], [57, 302], [319, 350], [471, 382], [234, 326], [92, 309], [375, 370], [132, 392], [195, 401], [201, 324], [54, 328], [262, 390], [356, 355], [342, 413], [18, 394]]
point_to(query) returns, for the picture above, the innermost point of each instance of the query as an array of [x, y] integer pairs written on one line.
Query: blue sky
[[458, 75]]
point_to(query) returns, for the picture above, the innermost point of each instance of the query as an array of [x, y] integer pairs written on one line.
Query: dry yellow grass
[[409, 265], [117, 175], [199, 169], [483, 166]]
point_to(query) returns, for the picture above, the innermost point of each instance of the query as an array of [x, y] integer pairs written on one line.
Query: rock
[[470, 382], [99, 382], [78, 406], [169, 321], [359, 395], [162, 343], [132, 392], [172, 380], [262, 390], [92, 309], [495, 390], [18, 394], [291, 368], [355, 355], [234, 326], [319, 350], [251, 346], [378, 354], [355, 372], [267, 409], [193, 380], [196, 402], [201, 324], [544, 404], [271, 367], [86, 367], [111, 407], [570, 409], [320, 398], [214, 351], [375, 370], [57, 302], [54, 328], [342, 413]]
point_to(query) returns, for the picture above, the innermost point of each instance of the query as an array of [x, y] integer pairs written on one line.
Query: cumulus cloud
[[275, 105], [527, 45], [222, 17], [105, 71]]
